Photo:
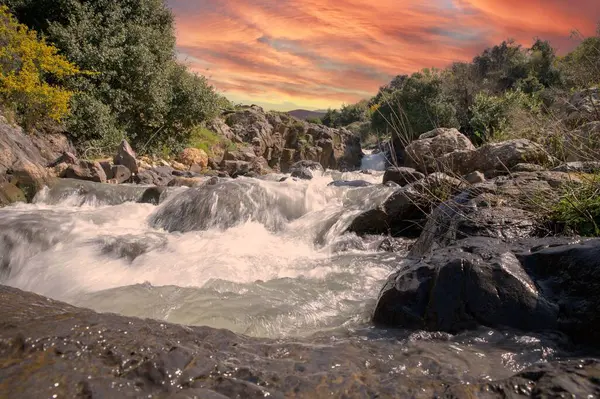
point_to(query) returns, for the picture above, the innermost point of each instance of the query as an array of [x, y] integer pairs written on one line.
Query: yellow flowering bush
[[30, 74]]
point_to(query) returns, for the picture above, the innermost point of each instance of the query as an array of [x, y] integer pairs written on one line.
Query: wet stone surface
[[50, 349]]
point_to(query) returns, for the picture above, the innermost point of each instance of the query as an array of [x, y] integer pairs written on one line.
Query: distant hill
[[305, 114]]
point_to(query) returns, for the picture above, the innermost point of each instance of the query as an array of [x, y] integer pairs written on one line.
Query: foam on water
[[273, 269]]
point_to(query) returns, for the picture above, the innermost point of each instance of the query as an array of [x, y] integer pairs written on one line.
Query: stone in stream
[[531, 285], [9, 194], [350, 183], [126, 157], [120, 173], [86, 170], [51, 348], [302, 173], [402, 175]]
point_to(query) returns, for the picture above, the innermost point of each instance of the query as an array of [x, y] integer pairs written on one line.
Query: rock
[[60, 170], [241, 154], [390, 244], [583, 107], [178, 166], [475, 177], [235, 168], [86, 170], [153, 177], [527, 167], [193, 156], [531, 285], [404, 213], [350, 183], [507, 154], [46, 342], [152, 195], [107, 167], [579, 167], [30, 177], [65, 157], [581, 144], [302, 173], [186, 182], [9, 194], [401, 175], [421, 154], [126, 157], [120, 173], [311, 165], [571, 378]]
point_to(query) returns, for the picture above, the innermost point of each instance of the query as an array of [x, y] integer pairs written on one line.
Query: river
[[259, 257]]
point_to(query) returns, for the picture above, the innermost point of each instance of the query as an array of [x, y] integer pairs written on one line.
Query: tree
[[30, 71], [131, 47], [419, 105], [331, 118]]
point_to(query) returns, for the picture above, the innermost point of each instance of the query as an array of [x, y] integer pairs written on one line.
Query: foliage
[[315, 120], [30, 71], [331, 118], [493, 117], [579, 208], [209, 141], [419, 99], [131, 47]]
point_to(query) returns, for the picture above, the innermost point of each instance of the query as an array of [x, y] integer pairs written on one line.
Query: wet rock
[[422, 154], [391, 244], [107, 166], [531, 285], [405, 211], [126, 157], [86, 192], [30, 177], [302, 173], [9, 194], [186, 182], [160, 176], [86, 170], [188, 174], [572, 378], [401, 175], [193, 156], [311, 165], [49, 347], [350, 183], [152, 195]]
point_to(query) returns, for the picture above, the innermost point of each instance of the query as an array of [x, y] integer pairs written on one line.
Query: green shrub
[[209, 141], [29, 72], [579, 208]]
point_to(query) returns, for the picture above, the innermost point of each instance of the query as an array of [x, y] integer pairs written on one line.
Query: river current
[[259, 257]]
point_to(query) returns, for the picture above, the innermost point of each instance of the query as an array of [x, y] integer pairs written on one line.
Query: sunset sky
[[315, 54]]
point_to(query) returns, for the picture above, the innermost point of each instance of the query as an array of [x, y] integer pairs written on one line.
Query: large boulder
[[120, 174], [504, 208], [86, 170], [126, 157], [507, 154], [422, 154], [531, 285]]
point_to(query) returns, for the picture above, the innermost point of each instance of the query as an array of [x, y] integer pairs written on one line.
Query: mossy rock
[[9, 193]]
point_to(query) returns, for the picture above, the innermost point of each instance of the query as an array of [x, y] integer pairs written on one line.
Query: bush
[[494, 118], [138, 88], [30, 71]]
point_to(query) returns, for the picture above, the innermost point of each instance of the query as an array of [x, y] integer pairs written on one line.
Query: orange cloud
[[322, 53]]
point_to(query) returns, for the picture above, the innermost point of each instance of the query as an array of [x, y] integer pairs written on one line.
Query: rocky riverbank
[[472, 264]]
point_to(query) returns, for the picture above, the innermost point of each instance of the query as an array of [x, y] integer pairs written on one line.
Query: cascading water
[[371, 161], [258, 257]]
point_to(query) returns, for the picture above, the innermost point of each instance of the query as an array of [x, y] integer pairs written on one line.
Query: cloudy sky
[[315, 54]]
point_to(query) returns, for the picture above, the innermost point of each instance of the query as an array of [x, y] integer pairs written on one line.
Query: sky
[[316, 54]]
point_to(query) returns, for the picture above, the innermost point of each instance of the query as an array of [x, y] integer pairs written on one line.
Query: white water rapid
[[259, 257]]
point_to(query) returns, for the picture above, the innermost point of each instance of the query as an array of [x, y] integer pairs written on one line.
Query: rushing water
[[258, 257]]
